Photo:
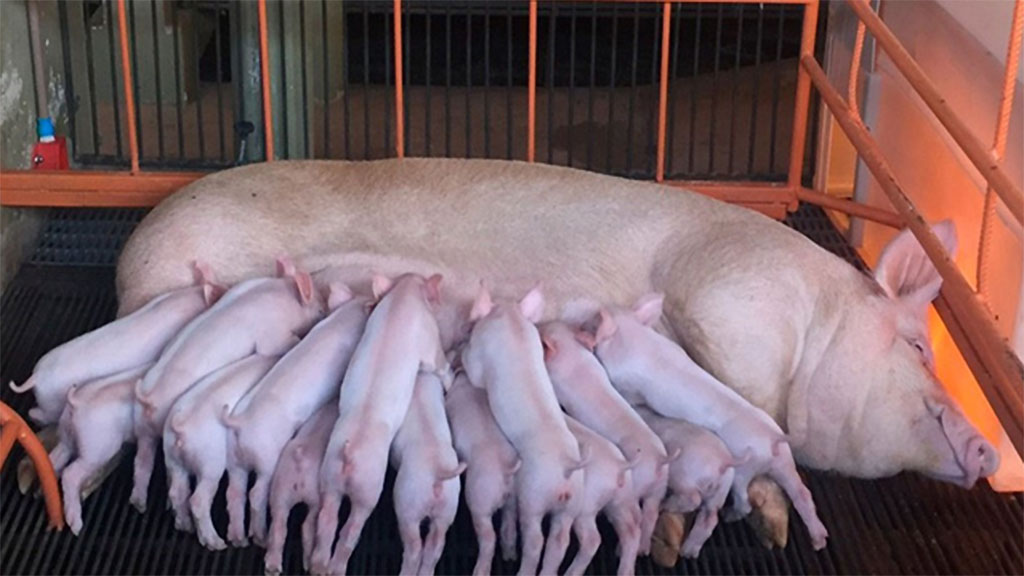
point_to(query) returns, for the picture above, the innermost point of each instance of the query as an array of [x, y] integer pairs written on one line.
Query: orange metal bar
[[268, 109], [399, 87], [666, 21], [858, 50], [14, 428], [803, 98], [701, 1], [126, 74], [850, 207], [988, 214], [531, 102], [84, 188], [739, 192], [972, 147], [1003, 377]]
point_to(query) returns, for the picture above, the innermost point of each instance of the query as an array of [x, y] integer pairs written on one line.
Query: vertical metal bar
[[136, 118], [283, 51], [113, 81], [469, 77], [714, 89], [673, 74], [551, 79], [735, 89], [447, 81], [387, 79], [325, 72], [696, 93], [306, 140], [220, 90], [508, 79], [346, 66], [803, 97], [632, 88], [611, 88], [366, 82], [406, 74], [156, 76], [126, 74], [429, 81], [268, 113], [199, 91], [487, 83], [399, 84], [531, 101], [69, 86], [775, 89], [756, 92], [666, 22], [651, 133], [572, 78], [91, 76], [592, 86]]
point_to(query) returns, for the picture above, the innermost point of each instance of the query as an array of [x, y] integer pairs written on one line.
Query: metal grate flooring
[[901, 525]]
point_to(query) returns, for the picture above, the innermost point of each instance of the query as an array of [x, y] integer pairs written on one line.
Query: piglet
[[491, 466], [607, 487], [582, 387], [700, 478], [648, 368], [401, 340], [262, 315], [504, 356], [263, 421], [97, 420], [427, 484], [195, 440], [133, 340], [297, 481]]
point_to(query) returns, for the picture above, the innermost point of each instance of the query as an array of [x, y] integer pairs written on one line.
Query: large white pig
[[825, 350]]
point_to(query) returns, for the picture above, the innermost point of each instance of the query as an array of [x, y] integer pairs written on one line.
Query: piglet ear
[[212, 293], [337, 294], [381, 285], [906, 273], [532, 305], [432, 288], [648, 308], [550, 348], [606, 329], [285, 267], [586, 339], [203, 274], [304, 283], [483, 304]]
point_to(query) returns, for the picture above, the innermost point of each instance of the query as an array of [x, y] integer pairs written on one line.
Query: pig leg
[[508, 529], [71, 482], [558, 542], [482, 524], [533, 541], [434, 546], [237, 482], [412, 545], [178, 494], [258, 508], [624, 519], [145, 457], [349, 537], [200, 503], [649, 517], [585, 528], [280, 507], [308, 535], [326, 530], [784, 472]]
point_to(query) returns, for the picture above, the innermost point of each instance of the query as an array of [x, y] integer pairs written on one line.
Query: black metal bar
[[285, 144], [220, 91], [429, 81], [572, 78], [325, 71], [156, 76], [447, 81], [115, 93], [508, 79], [591, 87], [199, 91], [752, 138], [551, 80], [307, 141], [775, 90], [469, 77], [696, 93], [487, 83], [632, 89], [407, 75], [366, 82], [135, 78], [714, 90], [346, 62], [674, 73], [652, 132], [735, 89], [611, 88], [69, 86], [388, 102]]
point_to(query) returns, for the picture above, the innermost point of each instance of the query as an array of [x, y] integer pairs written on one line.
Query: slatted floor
[[901, 525]]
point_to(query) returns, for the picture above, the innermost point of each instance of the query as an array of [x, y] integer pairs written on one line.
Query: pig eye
[[918, 345]]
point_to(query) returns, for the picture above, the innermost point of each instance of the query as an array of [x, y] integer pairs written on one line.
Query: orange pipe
[[14, 428], [666, 21], [78, 188], [972, 147], [531, 99], [1003, 377], [803, 98], [268, 110], [882, 216], [399, 87], [126, 74]]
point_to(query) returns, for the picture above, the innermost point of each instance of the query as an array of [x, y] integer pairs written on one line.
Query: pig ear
[[285, 267], [586, 339], [532, 305], [337, 294], [433, 289], [606, 329], [304, 283], [483, 305], [906, 273], [648, 308], [381, 285]]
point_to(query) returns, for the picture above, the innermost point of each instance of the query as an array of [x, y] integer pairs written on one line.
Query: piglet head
[[645, 312], [308, 296]]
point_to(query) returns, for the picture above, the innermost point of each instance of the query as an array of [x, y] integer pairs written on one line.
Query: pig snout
[[972, 456]]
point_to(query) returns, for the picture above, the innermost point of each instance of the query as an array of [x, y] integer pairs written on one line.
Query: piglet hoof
[[75, 523], [239, 541], [215, 545], [183, 523], [819, 537], [139, 504], [271, 570]]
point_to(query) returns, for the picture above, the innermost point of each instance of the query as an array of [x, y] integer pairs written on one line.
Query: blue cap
[[44, 127]]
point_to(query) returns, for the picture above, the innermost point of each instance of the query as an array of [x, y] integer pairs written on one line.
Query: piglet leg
[[308, 536], [326, 530], [508, 529], [650, 510], [485, 538], [624, 518], [784, 472], [585, 528], [178, 495], [558, 542], [199, 504], [258, 496], [60, 456], [145, 457], [237, 482], [71, 481], [434, 547], [349, 537], [533, 541], [412, 545], [272, 561]]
